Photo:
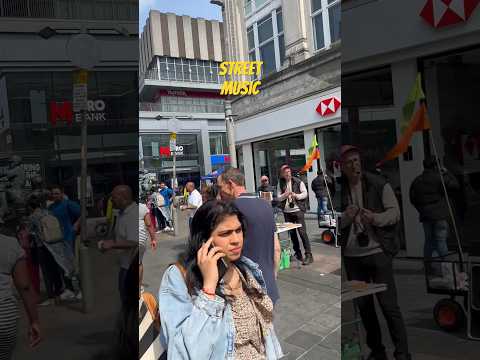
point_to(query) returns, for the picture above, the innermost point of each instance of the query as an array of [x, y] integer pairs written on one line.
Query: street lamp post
[[230, 126], [174, 126]]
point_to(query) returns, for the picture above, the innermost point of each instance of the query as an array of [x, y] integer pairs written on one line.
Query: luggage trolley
[[458, 279]]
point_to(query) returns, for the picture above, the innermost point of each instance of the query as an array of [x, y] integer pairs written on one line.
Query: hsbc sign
[[441, 13], [63, 111], [328, 106]]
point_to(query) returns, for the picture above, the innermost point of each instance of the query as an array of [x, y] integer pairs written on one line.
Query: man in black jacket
[[428, 196], [292, 200], [321, 193], [370, 216]]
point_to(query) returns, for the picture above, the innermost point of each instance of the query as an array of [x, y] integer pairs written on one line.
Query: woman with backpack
[[53, 256], [213, 301]]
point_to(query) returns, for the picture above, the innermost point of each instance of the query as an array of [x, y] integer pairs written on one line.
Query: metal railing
[[187, 108], [71, 9]]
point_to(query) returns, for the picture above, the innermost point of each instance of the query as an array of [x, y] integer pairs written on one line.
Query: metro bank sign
[[63, 111]]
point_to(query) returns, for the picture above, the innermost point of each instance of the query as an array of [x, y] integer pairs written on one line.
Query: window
[[179, 69], [326, 22], [218, 143], [266, 42]]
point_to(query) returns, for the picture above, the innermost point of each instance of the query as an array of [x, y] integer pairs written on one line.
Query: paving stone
[[304, 340]]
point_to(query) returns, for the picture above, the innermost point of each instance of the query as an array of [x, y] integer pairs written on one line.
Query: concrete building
[[385, 45], [36, 91], [299, 44], [179, 59]]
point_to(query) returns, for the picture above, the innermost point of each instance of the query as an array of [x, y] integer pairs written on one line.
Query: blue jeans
[[322, 207], [436, 234]]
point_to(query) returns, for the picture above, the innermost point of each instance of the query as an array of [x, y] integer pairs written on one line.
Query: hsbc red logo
[[328, 106], [440, 13]]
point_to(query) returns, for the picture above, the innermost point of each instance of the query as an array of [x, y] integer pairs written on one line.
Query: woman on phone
[[213, 302]]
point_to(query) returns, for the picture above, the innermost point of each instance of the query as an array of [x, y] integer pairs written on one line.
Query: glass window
[[265, 29], [318, 31], [259, 3], [334, 13], [267, 55], [281, 45], [317, 5], [248, 7], [251, 39], [218, 143], [279, 20]]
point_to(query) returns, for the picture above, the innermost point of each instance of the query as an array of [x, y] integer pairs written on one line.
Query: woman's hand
[[207, 262], [34, 335]]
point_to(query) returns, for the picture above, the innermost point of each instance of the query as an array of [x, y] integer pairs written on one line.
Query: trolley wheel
[[328, 237], [449, 315]]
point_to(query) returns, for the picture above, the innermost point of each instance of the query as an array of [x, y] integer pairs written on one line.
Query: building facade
[[378, 73], [299, 44], [179, 65], [36, 92]]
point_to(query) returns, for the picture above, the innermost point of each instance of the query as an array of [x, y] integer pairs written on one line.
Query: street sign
[[80, 91], [173, 142], [174, 125], [84, 51]]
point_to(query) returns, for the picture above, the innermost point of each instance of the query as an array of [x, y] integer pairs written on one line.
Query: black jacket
[[318, 186], [372, 192], [428, 196]]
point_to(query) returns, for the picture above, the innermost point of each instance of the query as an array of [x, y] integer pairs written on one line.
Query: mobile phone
[[221, 266]]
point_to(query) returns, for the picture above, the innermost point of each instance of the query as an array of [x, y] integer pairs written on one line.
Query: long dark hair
[[206, 219]]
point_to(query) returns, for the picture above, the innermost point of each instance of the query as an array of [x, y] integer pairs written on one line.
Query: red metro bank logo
[[440, 13]]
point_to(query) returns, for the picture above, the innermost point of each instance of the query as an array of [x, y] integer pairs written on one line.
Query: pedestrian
[[54, 257], [67, 213], [261, 244], [145, 230], [370, 218], [158, 202], [126, 234], [208, 193], [428, 196], [168, 197], [194, 201], [292, 198], [13, 266], [320, 189], [213, 302]]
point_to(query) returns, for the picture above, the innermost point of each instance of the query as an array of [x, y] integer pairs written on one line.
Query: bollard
[[86, 279], [175, 220]]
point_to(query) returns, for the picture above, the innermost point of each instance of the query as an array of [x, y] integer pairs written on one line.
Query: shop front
[[45, 132], [283, 136]]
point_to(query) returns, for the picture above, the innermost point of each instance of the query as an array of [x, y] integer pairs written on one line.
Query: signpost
[[174, 126], [84, 53]]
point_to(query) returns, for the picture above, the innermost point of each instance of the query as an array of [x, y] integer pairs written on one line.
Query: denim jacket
[[199, 327]]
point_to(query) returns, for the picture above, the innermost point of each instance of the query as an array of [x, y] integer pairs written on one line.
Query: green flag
[[416, 94]]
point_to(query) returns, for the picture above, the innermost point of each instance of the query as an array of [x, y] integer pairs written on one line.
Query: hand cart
[[456, 279]]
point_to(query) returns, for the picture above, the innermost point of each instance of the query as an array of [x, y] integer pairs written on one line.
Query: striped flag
[[411, 122], [313, 154]]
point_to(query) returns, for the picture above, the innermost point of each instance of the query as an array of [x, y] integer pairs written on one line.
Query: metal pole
[[230, 133], [174, 180], [84, 261]]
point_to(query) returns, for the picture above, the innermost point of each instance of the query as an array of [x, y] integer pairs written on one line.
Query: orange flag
[[419, 122]]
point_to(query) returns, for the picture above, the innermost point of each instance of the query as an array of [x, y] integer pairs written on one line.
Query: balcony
[[70, 9]]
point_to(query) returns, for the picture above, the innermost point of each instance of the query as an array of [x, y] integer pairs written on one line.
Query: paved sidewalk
[[307, 316]]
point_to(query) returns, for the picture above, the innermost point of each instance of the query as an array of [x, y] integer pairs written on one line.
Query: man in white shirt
[[194, 200], [292, 197], [126, 233]]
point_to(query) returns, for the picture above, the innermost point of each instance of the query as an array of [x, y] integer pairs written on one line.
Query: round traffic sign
[[83, 51]]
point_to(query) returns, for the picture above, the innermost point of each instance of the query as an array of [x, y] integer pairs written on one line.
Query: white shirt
[[126, 229], [195, 199], [303, 195], [142, 229]]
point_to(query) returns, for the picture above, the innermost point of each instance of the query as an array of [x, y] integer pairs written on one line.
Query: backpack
[[50, 229], [158, 200]]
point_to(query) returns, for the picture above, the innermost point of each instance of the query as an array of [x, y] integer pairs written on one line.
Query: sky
[[193, 8]]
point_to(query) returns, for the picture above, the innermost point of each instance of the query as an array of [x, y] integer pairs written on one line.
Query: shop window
[[218, 143]]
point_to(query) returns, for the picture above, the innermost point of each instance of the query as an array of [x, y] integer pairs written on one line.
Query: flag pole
[[328, 190], [450, 209]]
